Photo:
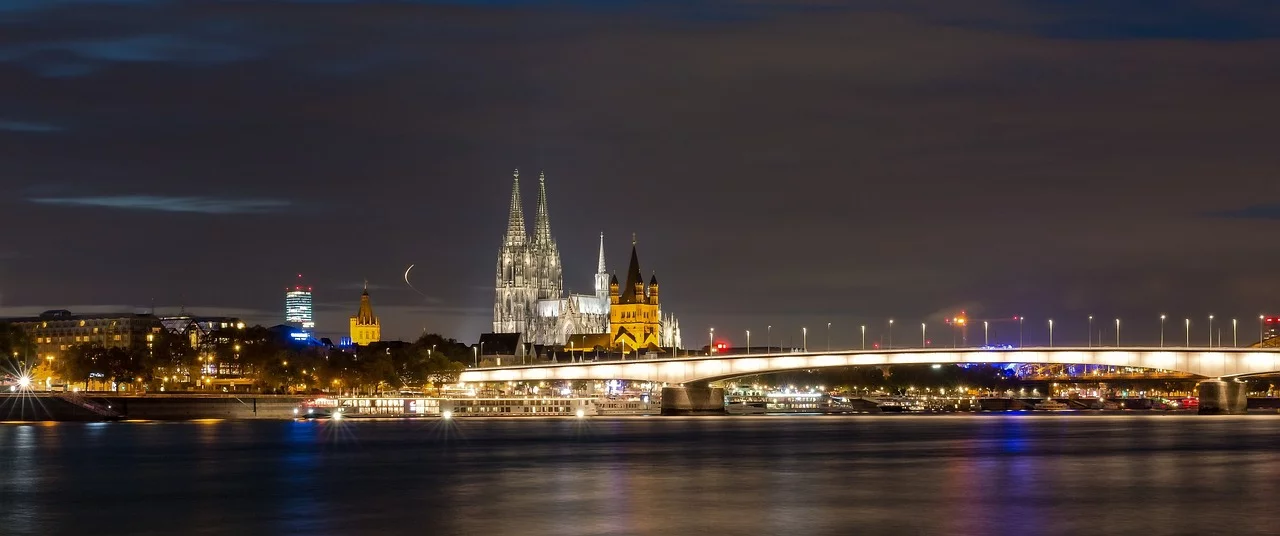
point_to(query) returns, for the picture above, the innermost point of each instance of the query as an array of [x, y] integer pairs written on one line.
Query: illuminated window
[[82, 323]]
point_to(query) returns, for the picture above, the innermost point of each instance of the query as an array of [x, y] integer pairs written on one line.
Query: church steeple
[[602, 276], [365, 327], [633, 292], [547, 274], [515, 216], [542, 220], [600, 269]]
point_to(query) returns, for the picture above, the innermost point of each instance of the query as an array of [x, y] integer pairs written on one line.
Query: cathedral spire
[[542, 221], [602, 276], [515, 218], [600, 269], [634, 291]]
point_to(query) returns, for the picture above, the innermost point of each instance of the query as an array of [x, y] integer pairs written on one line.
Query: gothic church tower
[[365, 327], [515, 288], [548, 276]]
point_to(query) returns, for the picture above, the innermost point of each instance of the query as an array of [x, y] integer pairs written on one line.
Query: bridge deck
[[1198, 362]]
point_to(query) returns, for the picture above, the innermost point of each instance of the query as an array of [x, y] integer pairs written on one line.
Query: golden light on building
[[365, 327]]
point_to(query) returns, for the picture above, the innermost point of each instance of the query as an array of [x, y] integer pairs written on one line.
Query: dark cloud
[[29, 126], [203, 205], [786, 164], [1254, 212]]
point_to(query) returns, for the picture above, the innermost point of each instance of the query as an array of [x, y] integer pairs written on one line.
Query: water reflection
[[998, 474]]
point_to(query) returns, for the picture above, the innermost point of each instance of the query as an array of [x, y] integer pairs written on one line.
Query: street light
[[1117, 333], [1260, 332], [1235, 342], [1020, 318], [804, 339], [1091, 331], [748, 342], [1162, 331], [475, 354], [768, 339], [1211, 331], [711, 341], [923, 341], [1051, 333], [864, 336], [984, 334], [828, 336], [890, 333], [1188, 321]]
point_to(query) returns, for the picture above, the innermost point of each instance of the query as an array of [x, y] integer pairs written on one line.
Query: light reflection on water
[[988, 474]]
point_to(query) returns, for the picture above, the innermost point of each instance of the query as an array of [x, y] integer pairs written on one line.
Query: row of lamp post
[[924, 340]]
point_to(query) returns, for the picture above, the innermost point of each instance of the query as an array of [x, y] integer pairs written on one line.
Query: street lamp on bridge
[[923, 341], [1162, 331], [1211, 331], [828, 336], [1091, 332], [984, 334], [748, 342], [1235, 342], [864, 336], [1188, 322], [804, 339], [711, 341], [1117, 333], [890, 333], [1051, 333]]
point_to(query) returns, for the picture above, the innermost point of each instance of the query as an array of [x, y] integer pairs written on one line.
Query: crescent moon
[[406, 275]]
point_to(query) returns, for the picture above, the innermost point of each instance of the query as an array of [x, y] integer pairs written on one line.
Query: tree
[[441, 370], [82, 362], [172, 355], [450, 348], [17, 349]]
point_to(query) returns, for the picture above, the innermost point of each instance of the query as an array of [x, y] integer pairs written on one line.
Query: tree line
[[267, 360]]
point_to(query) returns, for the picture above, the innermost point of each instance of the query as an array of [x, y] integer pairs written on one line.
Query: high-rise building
[[297, 306], [365, 327]]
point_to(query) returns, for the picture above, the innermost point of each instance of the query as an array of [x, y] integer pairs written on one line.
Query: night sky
[[786, 164]]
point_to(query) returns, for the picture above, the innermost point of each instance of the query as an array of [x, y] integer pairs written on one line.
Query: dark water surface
[[989, 474]]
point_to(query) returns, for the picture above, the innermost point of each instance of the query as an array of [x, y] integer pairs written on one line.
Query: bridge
[[1218, 368]]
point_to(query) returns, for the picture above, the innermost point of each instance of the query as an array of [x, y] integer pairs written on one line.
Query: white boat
[[608, 406], [1050, 404], [518, 407]]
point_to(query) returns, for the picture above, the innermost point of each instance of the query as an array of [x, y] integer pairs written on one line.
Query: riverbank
[[105, 406], [71, 407]]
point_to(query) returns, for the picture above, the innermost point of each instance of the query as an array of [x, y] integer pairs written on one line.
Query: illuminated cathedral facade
[[529, 295]]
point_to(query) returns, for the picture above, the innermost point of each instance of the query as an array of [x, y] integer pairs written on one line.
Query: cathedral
[[529, 295]]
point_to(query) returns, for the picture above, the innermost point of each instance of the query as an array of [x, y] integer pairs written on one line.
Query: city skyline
[[1048, 167]]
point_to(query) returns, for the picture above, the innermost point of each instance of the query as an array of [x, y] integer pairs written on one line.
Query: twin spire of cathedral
[[542, 220]]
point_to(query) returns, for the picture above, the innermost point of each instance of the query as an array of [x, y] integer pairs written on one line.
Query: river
[[795, 475]]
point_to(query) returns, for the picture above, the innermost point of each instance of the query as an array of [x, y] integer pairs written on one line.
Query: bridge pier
[[1222, 397], [692, 401]]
